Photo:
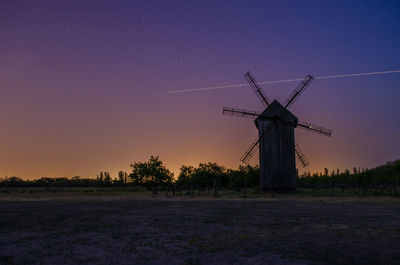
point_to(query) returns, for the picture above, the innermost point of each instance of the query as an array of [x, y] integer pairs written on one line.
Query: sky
[[83, 84]]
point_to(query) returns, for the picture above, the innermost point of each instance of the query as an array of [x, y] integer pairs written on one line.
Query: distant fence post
[[155, 191], [167, 191], [394, 189], [245, 188]]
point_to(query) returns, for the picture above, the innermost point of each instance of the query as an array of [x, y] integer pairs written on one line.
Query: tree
[[104, 178], [210, 174], [150, 174], [245, 176], [122, 177], [185, 177]]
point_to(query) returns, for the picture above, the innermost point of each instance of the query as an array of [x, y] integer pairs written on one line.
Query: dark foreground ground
[[134, 229]]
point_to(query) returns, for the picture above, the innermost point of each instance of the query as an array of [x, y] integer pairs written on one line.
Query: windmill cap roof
[[275, 111]]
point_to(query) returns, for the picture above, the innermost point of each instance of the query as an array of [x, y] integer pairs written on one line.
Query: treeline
[[381, 177], [153, 174]]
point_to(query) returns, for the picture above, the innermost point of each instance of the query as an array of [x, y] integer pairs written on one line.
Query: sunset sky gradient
[[83, 84]]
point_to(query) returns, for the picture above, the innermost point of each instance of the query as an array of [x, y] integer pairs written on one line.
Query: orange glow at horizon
[[83, 86]]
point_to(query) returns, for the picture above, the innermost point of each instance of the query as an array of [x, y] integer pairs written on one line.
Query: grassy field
[[126, 227]]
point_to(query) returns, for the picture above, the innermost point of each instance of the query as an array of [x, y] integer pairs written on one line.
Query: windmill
[[276, 137]]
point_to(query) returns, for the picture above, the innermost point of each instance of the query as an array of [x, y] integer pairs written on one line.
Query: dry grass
[[79, 228]]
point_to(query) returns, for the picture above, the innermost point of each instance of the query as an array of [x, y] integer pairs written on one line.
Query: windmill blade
[[250, 152], [257, 89], [300, 156], [240, 113], [297, 92], [314, 128]]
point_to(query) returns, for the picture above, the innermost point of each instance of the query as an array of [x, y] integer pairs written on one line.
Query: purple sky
[[83, 83]]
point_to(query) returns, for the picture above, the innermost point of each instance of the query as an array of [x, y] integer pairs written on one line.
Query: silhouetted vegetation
[[211, 176], [150, 174], [385, 177], [207, 177]]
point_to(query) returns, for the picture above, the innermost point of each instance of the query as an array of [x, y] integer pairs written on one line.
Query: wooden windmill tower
[[276, 138]]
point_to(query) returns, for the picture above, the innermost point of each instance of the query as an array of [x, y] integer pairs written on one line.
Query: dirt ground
[[132, 229]]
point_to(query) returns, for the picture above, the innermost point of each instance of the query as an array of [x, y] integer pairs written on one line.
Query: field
[[135, 228]]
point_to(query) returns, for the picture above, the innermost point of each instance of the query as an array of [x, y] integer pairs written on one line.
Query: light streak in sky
[[282, 81]]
